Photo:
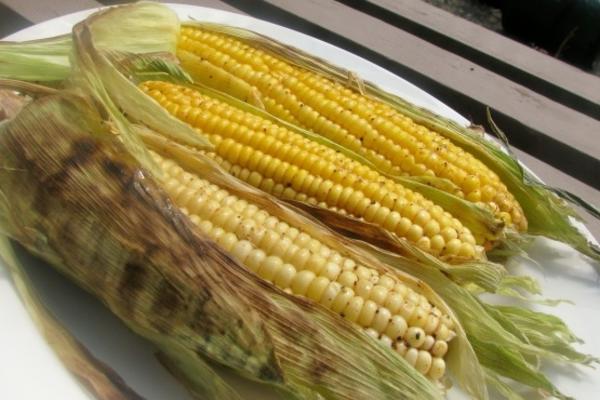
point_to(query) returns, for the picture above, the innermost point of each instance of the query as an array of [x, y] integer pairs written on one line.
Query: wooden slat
[[542, 128], [220, 5], [540, 72], [38, 11]]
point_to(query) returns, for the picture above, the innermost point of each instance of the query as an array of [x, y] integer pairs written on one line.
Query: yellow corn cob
[[392, 141], [385, 307], [288, 165]]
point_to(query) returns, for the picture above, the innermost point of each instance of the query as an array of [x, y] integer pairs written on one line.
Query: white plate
[[30, 370]]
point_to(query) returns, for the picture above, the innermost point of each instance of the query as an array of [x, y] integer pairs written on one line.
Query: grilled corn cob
[[373, 129], [79, 201], [284, 163], [300, 264]]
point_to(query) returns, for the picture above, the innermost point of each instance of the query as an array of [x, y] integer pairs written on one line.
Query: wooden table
[[549, 110]]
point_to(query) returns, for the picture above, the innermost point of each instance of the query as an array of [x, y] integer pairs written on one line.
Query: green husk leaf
[[503, 342], [502, 387], [45, 60], [542, 330], [99, 65], [203, 382]]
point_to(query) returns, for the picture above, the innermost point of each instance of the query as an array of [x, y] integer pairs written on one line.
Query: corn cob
[[288, 257], [373, 129], [79, 201], [284, 163]]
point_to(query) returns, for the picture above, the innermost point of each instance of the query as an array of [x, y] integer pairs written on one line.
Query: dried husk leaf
[[98, 378]]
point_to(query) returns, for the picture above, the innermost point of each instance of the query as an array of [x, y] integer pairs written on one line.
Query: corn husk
[[74, 197]]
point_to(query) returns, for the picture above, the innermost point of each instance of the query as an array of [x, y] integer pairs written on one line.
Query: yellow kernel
[[431, 324], [428, 343], [205, 225], [437, 243], [410, 211], [444, 333], [403, 226], [342, 299], [227, 241], [415, 336], [487, 193], [372, 333], [474, 196], [415, 232], [438, 368], [386, 281], [331, 271], [352, 310], [431, 228], [241, 250], [367, 314], [424, 243], [422, 218], [347, 279], [394, 302], [407, 310], [284, 277], [363, 272], [396, 328], [302, 281], [449, 233], [316, 263], [302, 240], [301, 258], [269, 240], [411, 356], [439, 348], [349, 264], [380, 215], [392, 221], [379, 294], [381, 320], [453, 247], [370, 212], [466, 250], [270, 268], [317, 288], [281, 247], [471, 183], [255, 259], [424, 361], [363, 288]]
